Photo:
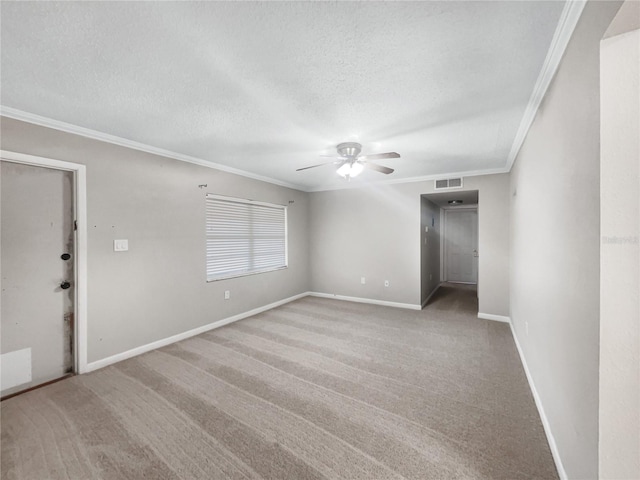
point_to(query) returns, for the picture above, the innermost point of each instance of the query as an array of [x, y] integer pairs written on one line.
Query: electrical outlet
[[363, 280], [227, 294], [120, 245], [386, 283], [430, 276]]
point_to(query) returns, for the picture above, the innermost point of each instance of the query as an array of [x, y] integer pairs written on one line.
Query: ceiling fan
[[351, 163]]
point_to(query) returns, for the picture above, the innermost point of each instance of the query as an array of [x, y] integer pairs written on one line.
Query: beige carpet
[[314, 389]]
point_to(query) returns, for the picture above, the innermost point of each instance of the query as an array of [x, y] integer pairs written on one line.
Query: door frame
[[80, 255], [444, 242]]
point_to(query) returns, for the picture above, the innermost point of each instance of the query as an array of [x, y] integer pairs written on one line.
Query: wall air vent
[[448, 183]]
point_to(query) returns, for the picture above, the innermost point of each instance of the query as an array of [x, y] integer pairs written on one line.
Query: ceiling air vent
[[448, 183]]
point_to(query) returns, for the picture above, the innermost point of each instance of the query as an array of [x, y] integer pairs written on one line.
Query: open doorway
[[449, 240]]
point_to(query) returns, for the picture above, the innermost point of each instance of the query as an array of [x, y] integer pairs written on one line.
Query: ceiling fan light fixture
[[350, 170], [352, 163]]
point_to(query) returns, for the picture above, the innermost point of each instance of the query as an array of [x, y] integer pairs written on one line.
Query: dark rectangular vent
[[448, 183]]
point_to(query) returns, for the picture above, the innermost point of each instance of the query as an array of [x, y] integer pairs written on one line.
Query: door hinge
[[75, 225]]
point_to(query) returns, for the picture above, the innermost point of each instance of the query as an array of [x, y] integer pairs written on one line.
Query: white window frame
[[284, 208]]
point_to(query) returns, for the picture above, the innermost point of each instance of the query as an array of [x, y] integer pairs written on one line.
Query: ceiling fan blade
[[314, 166], [378, 168], [379, 156]]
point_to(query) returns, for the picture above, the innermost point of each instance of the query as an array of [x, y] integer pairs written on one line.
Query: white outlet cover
[[363, 280], [120, 245]]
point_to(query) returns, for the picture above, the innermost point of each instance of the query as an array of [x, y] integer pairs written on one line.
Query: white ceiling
[[267, 87]]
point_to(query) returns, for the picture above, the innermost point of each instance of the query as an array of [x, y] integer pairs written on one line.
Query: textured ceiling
[[267, 87]]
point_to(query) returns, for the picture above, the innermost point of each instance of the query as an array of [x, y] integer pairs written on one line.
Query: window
[[244, 237]]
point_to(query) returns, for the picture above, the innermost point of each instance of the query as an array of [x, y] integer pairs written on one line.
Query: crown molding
[[32, 118], [124, 142], [23, 116], [566, 26], [425, 178]]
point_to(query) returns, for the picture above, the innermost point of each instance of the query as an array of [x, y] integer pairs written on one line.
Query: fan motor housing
[[349, 149]]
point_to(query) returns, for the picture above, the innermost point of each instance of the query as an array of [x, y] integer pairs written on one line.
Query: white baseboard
[[543, 417], [433, 292], [410, 306], [495, 318], [189, 333]]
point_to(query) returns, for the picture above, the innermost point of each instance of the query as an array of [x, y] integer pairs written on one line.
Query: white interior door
[[461, 237], [37, 277]]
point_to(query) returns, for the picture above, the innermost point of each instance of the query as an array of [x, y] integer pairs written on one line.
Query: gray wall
[[158, 288], [619, 421], [555, 246], [429, 247], [375, 232], [146, 294]]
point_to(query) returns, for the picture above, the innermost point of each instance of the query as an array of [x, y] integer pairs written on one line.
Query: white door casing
[[77, 265]]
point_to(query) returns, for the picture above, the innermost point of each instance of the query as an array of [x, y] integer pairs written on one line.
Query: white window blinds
[[244, 237]]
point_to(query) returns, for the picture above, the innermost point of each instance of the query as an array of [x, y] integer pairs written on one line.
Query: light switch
[[120, 245]]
